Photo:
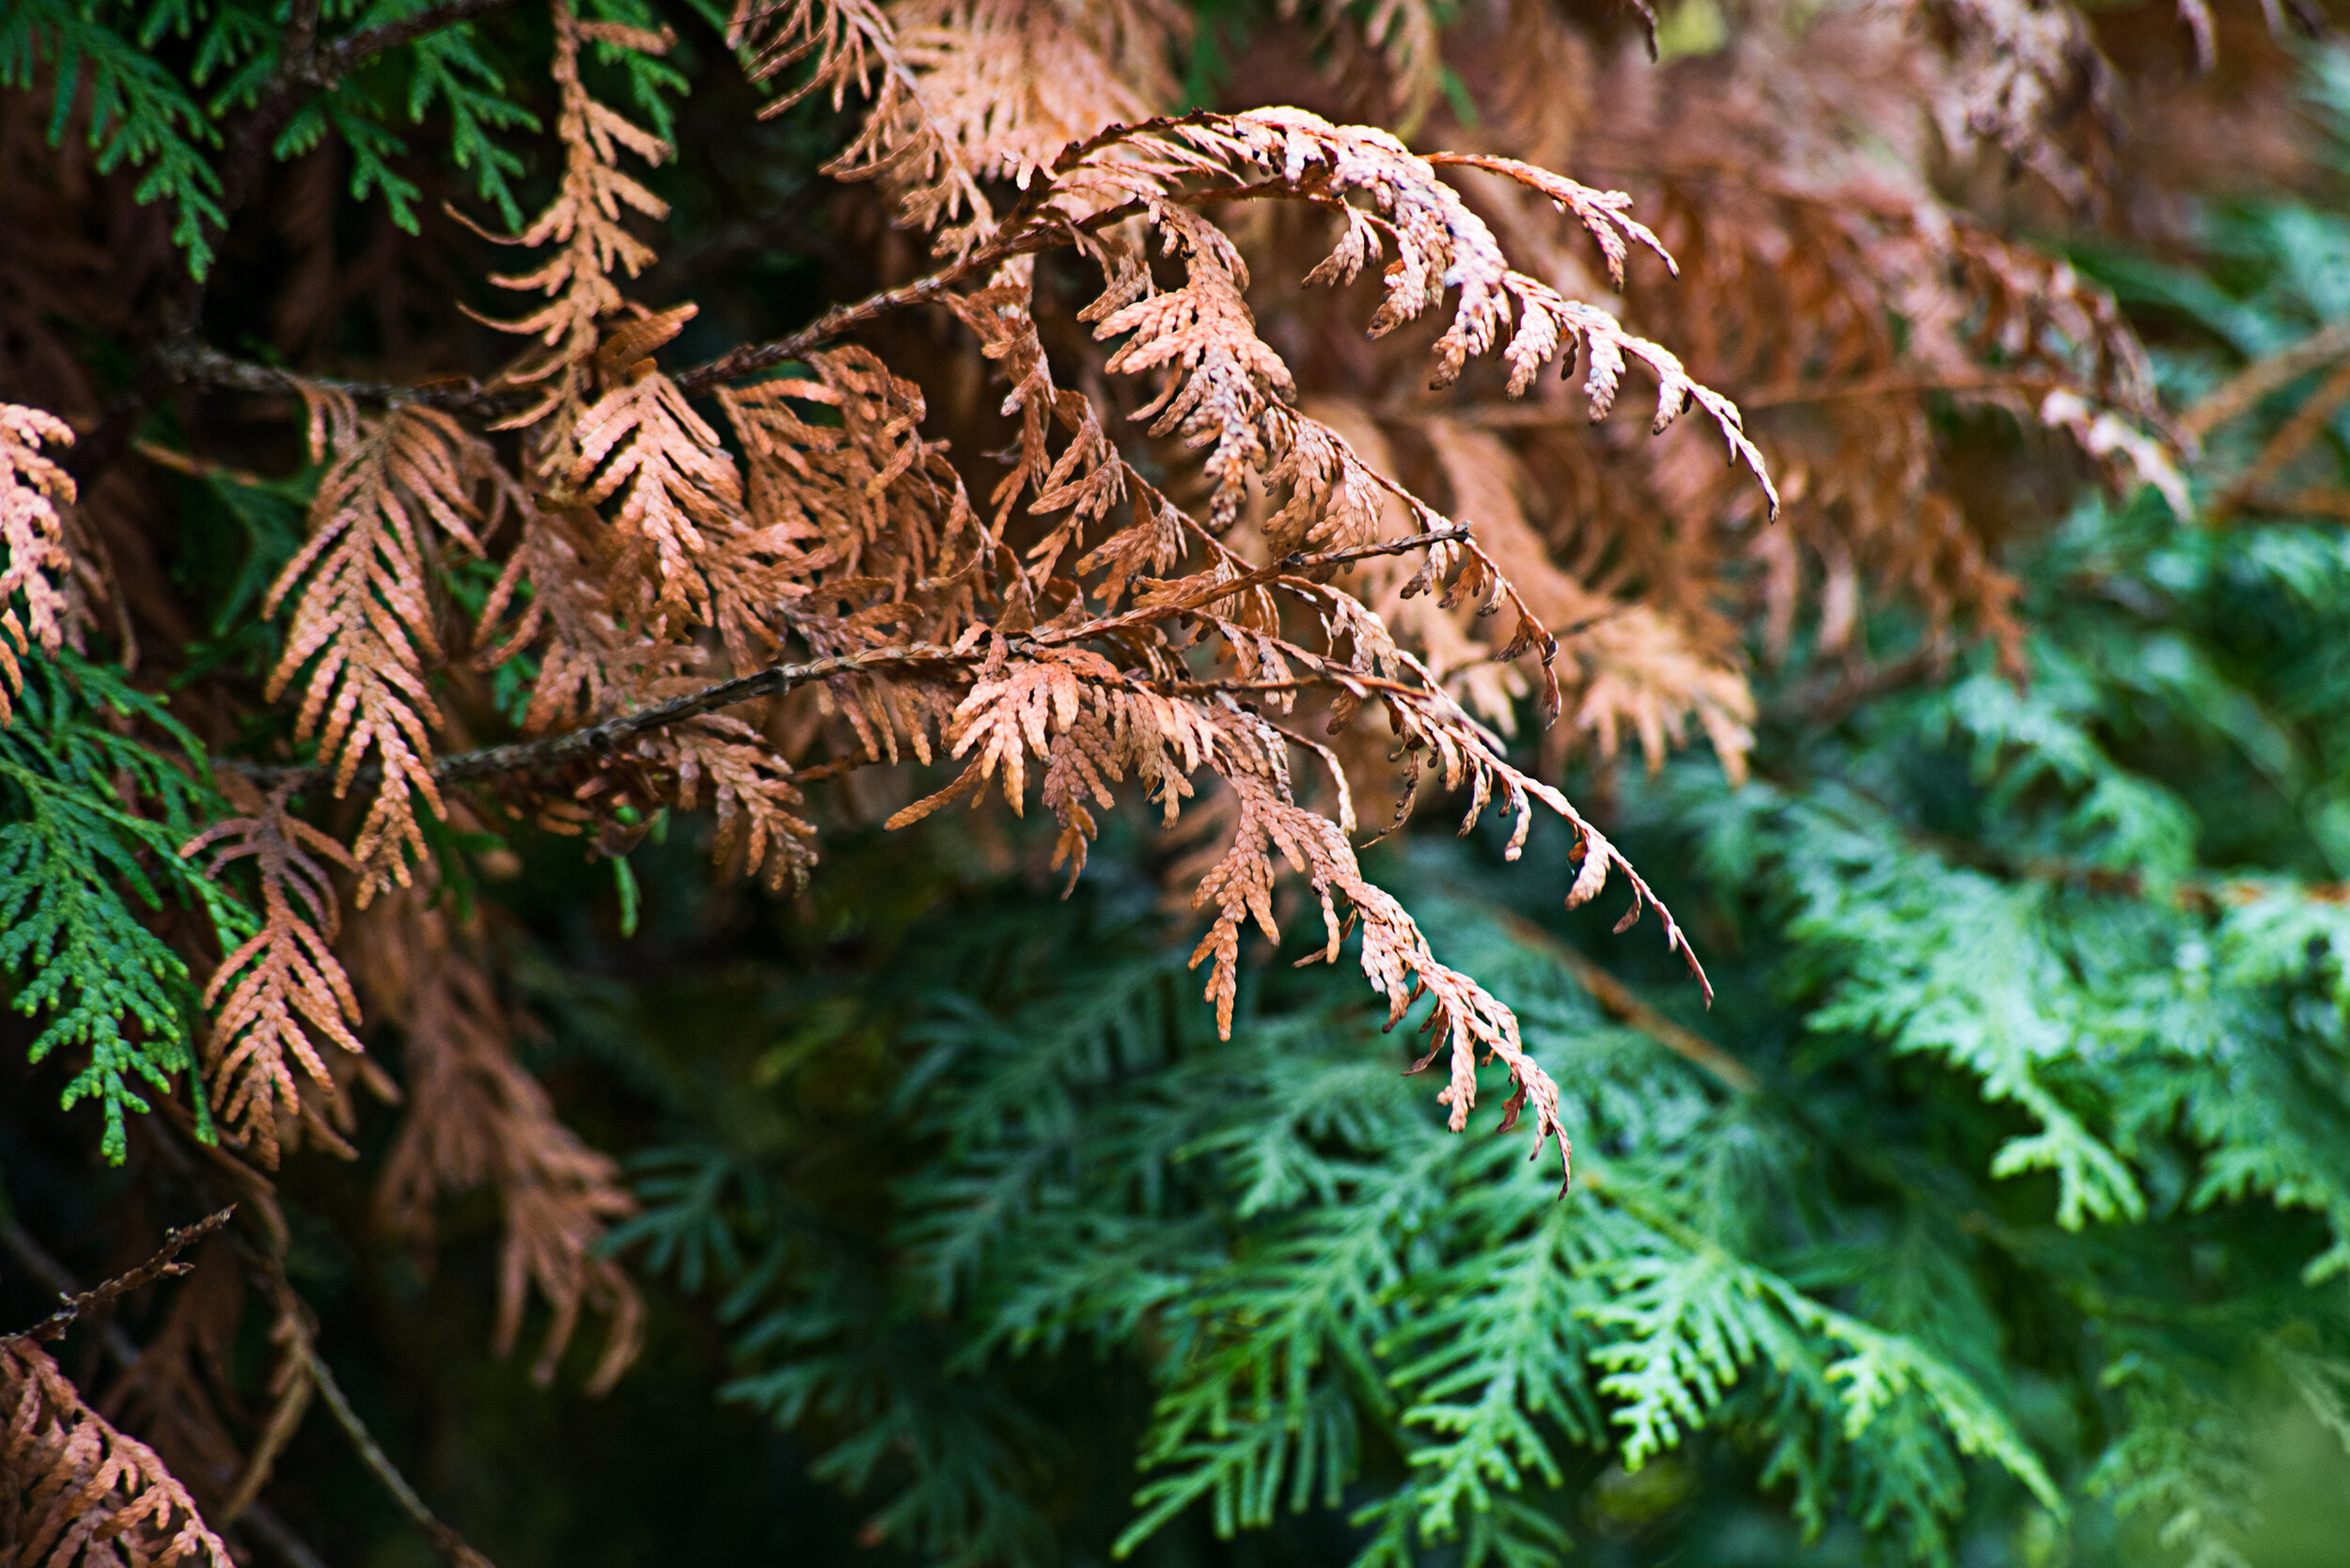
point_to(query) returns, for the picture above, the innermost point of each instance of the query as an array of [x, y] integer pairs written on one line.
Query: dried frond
[[593, 658], [32, 488], [281, 998], [1007, 86], [679, 489], [1404, 34], [182, 1385], [851, 45], [364, 623], [1396, 958], [1441, 247], [75, 1493], [2027, 72], [751, 787], [476, 1118], [866, 499], [585, 220]]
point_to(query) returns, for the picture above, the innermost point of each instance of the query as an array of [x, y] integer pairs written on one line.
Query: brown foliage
[[32, 488], [281, 997], [75, 1493], [476, 1117]]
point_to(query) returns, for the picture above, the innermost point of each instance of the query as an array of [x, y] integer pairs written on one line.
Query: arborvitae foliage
[[446, 447]]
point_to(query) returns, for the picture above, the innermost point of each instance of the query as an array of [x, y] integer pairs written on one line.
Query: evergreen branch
[[345, 55]]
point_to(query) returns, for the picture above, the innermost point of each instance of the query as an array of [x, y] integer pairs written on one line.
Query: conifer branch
[[599, 741], [345, 55]]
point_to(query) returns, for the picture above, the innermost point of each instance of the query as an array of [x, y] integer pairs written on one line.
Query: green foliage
[[2044, 1188], [152, 83], [80, 858], [139, 113]]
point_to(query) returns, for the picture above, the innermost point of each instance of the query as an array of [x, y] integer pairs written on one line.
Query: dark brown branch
[[162, 1266], [596, 741], [832, 323], [345, 55], [603, 740], [203, 364]]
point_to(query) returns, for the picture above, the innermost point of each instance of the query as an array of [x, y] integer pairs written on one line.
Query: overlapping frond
[[365, 624], [851, 45], [584, 221]]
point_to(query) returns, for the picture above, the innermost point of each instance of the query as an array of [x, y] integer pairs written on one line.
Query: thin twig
[[753, 358], [2262, 376], [452, 1546], [345, 55], [303, 64], [604, 740], [162, 1266]]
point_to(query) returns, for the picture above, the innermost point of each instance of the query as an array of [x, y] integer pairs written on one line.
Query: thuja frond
[[444, 71], [281, 998], [38, 564], [84, 868], [79, 1494], [364, 627]]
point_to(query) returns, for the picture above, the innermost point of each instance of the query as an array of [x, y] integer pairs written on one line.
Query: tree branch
[[603, 740], [345, 55], [596, 741], [453, 1547], [162, 1266], [302, 64]]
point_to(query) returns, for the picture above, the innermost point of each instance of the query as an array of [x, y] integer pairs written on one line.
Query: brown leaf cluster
[[39, 567], [281, 1000]]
